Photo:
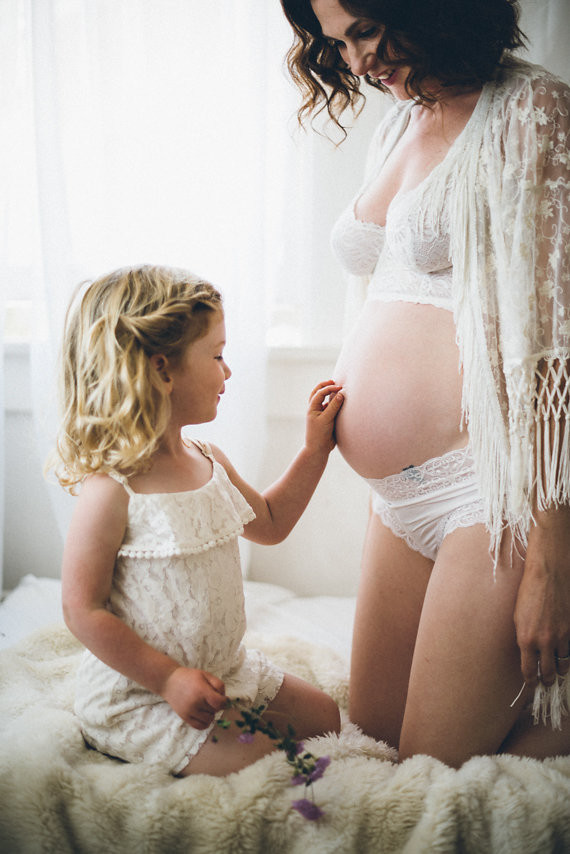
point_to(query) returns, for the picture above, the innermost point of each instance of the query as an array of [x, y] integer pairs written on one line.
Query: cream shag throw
[[58, 796]]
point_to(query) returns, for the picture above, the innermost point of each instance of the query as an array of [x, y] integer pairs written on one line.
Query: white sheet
[[74, 799], [271, 610]]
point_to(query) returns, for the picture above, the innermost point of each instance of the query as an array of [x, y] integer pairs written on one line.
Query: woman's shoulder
[[389, 127], [519, 81], [396, 112]]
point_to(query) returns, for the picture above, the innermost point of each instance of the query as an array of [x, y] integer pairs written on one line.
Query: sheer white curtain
[[144, 132]]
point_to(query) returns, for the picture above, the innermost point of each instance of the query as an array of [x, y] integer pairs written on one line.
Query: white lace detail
[[409, 258], [178, 523], [394, 281], [510, 214], [356, 243], [415, 481], [423, 504]]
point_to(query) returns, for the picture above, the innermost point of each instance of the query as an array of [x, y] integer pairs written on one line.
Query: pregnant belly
[[400, 372]]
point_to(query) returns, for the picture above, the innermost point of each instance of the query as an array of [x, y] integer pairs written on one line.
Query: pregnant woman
[[456, 374]]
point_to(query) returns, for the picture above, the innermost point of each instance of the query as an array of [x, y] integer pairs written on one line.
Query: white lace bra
[[408, 258]]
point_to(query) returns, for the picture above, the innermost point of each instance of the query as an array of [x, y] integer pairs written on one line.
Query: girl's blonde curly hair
[[114, 406]]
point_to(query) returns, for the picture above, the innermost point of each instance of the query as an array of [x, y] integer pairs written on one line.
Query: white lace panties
[[423, 504]]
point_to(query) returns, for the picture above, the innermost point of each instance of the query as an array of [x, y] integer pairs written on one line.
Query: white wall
[[321, 556], [322, 553], [31, 539]]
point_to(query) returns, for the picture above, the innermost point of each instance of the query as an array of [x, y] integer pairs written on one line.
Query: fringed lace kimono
[[511, 261], [507, 182]]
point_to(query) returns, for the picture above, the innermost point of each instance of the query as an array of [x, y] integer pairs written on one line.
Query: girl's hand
[[195, 695], [279, 507], [325, 402], [542, 612]]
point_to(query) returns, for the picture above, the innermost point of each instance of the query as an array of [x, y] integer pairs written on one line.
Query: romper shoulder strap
[[120, 478], [204, 447]]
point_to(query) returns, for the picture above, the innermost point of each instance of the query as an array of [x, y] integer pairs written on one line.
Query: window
[[167, 133]]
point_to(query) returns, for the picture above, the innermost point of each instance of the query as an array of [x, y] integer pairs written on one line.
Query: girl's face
[[357, 40], [198, 379]]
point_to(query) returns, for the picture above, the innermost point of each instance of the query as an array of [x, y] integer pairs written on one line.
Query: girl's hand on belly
[[325, 402]]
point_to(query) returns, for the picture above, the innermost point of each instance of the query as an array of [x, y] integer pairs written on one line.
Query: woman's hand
[[325, 402], [195, 695], [542, 611]]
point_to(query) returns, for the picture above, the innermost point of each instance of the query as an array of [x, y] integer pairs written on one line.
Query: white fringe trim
[[551, 702], [553, 432]]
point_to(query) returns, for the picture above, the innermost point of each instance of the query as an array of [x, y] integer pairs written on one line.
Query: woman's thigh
[[390, 597], [466, 666]]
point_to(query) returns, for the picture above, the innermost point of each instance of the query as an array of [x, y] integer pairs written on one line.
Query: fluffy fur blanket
[[56, 795]]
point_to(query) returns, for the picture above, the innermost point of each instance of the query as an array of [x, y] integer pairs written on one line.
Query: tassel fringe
[[551, 702]]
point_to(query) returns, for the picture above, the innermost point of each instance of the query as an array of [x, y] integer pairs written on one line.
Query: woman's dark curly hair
[[455, 42]]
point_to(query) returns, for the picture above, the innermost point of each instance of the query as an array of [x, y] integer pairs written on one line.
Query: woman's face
[[357, 40]]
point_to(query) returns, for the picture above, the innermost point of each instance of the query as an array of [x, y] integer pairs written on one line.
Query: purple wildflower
[[300, 747], [245, 737], [321, 765], [298, 780], [308, 809]]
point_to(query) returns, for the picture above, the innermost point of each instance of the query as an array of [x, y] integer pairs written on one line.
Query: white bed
[[56, 795]]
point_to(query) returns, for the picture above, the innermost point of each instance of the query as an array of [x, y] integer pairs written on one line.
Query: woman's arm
[[540, 125], [542, 613], [95, 535], [279, 507]]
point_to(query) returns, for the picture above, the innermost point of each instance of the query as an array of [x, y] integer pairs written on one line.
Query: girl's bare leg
[[309, 711], [466, 666], [390, 597]]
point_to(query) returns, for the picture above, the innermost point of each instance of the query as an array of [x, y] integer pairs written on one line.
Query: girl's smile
[[198, 379]]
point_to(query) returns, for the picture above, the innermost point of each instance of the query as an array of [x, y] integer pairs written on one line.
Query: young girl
[[152, 584]]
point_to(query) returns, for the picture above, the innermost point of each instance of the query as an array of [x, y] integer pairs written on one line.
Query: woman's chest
[[407, 166]]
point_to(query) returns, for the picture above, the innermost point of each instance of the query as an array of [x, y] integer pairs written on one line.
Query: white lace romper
[[178, 584]]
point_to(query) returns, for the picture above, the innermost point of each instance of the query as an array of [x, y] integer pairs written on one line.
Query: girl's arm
[[95, 535], [280, 506]]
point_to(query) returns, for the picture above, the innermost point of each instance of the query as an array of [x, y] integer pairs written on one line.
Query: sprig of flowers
[[306, 767]]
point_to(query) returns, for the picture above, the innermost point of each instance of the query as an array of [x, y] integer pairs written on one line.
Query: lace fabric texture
[[423, 504], [417, 481], [393, 280], [510, 210], [408, 258], [357, 244], [158, 525], [178, 585]]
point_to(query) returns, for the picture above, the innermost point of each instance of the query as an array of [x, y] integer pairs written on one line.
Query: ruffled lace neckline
[[176, 523]]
